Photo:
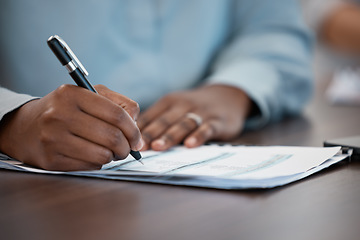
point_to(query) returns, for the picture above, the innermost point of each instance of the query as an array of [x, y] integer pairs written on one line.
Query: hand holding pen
[[76, 70], [72, 128]]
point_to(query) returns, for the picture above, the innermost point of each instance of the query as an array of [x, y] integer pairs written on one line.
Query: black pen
[[76, 70]]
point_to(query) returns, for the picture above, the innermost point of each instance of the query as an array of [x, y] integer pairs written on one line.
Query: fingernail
[[191, 142], [159, 143], [144, 148], [139, 145]]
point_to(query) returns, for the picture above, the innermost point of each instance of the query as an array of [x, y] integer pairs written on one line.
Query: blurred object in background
[[336, 24], [344, 89], [340, 29]]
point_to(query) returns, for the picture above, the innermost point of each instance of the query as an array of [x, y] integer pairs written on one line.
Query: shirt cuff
[[11, 101]]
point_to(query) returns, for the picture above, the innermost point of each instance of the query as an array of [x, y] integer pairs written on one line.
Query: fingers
[[58, 145], [207, 131], [188, 131], [64, 163], [111, 113], [150, 115], [73, 129], [101, 133], [130, 106], [160, 125], [175, 134], [82, 150], [160, 119], [169, 123], [193, 129], [213, 112]]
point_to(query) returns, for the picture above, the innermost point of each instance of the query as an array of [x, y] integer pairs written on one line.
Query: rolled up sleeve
[[269, 57]]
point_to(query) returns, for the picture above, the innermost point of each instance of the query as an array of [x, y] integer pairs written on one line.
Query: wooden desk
[[323, 206]]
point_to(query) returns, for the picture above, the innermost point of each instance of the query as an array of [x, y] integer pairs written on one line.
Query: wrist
[[5, 132], [11, 128], [248, 107]]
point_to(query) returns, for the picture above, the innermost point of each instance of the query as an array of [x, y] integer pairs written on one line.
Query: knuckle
[[134, 108], [168, 99], [114, 138], [164, 122], [118, 116], [54, 117], [100, 87], [187, 125], [169, 138], [46, 138], [49, 115], [147, 136], [64, 89]]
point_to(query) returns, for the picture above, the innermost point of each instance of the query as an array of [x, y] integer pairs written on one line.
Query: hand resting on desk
[[72, 129], [221, 108]]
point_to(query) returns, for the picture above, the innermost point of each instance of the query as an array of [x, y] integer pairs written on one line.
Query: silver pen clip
[[72, 55]]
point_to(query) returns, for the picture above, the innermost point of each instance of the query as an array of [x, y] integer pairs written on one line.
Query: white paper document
[[213, 166]]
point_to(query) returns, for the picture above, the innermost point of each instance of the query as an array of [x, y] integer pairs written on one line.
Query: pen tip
[[137, 156]]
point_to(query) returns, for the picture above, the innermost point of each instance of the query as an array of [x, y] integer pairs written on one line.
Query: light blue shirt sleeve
[[269, 57], [147, 49]]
